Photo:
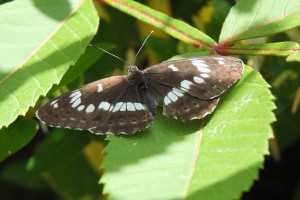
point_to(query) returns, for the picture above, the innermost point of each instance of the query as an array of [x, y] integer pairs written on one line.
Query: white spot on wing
[[80, 108], [178, 90], [172, 96], [111, 108], [117, 106], [186, 84], [204, 75], [75, 97], [100, 87], [199, 63], [104, 105], [55, 105], [198, 80], [53, 102], [218, 58], [184, 89], [177, 93], [167, 101], [221, 62], [173, 68], [138, 106], [203, 69], [123, 108], [196, 60], [130, 106], [90, 108], [76, 103], [74, 93]]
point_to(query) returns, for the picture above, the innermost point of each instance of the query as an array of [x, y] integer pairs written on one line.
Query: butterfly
[[188, 88]]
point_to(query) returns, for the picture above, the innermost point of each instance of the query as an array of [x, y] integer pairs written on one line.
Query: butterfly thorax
[[139, 82]]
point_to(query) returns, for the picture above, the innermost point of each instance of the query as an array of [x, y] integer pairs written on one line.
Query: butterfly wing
[[191, 87], [104, 106]]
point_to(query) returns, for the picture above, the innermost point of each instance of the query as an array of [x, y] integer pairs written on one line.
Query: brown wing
[[191, 87], [110, 105]]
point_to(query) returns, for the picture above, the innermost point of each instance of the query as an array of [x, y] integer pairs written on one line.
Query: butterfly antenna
[[142, 46], [109, 53]]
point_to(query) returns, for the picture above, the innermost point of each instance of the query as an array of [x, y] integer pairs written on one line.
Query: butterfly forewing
[[107, 105]]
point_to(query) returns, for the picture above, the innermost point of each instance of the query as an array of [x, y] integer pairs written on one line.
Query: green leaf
[[16, 136], [251, 19], [176, 160], [155, 44], [174, 27], [294, 57], [90, 56], [278, 49], [39, 41], [59, 148], [288, 123], [60, 161], [75, 180], [15, 172]]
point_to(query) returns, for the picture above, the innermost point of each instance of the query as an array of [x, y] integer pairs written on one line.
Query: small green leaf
[[251, 19], [16, 136], [176, 160], [174, 27], [39, 41]]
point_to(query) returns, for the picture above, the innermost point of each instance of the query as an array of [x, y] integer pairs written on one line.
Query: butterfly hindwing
[[107, 105], [126, 116]]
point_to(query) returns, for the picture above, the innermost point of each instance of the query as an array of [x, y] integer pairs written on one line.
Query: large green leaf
[[39, 41], [217, 160], [257, 18]]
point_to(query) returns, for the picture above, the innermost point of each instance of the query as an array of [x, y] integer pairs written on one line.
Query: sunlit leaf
[[39, 41], [251, 19]]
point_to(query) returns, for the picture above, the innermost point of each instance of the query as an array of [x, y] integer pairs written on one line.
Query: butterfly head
[[132, 69]]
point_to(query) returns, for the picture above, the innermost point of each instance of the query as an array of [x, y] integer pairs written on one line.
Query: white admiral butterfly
[[189, 88]]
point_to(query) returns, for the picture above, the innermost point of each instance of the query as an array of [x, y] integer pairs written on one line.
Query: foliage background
[[122, 34]]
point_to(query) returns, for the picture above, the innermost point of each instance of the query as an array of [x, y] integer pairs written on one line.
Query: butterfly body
[[188, 88], [140, 85]]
